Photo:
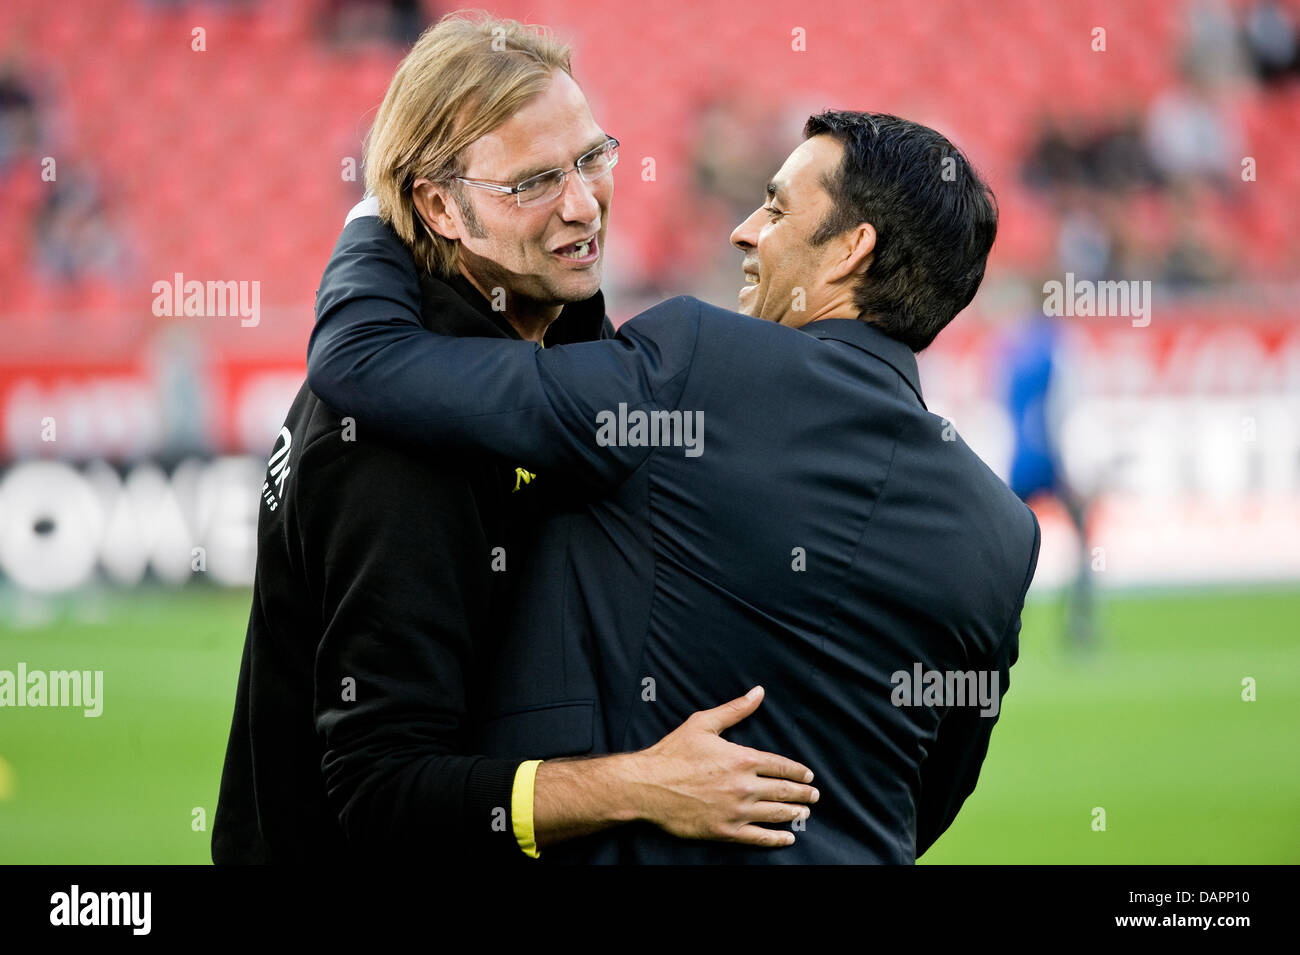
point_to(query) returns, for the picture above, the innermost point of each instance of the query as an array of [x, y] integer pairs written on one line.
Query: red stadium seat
[[231, 158]]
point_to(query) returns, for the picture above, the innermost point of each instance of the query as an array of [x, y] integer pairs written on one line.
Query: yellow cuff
[[521, 807]]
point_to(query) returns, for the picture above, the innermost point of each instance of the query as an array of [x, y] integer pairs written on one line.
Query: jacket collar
[[873, 341], [454, 306]]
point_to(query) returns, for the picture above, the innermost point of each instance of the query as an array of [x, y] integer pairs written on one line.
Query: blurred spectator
[[1192, 263], [1112, 156], [75, 237], [740, 143], [1056, 157], [1270, 37], [1083, 243], [357, 23], [734, 156], [1190, 135], [1118, 159], [1190, 138], [1212, 51], [1094, 239], [19, 120]]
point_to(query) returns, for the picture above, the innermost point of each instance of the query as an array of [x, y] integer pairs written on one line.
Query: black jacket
[[825, 535], [378, 599]]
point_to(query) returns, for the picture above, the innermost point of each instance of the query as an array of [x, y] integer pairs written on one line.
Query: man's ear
[[853, 252], [433, 205]]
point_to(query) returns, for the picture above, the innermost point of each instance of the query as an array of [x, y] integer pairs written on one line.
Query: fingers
[[778, 812], [782, 790], [773, 812], [758, 836], [779, 767], [729, 714]]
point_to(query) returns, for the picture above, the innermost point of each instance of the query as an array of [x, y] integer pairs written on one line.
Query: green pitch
[[1150, 727]]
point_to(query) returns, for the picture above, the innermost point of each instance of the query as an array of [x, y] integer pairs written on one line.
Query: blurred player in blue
[[1035, 400]]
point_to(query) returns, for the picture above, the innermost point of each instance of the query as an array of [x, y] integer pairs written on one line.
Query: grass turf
[[1150, 726]]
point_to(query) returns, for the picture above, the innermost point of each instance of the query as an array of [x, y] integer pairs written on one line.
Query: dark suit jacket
[[829, 535]]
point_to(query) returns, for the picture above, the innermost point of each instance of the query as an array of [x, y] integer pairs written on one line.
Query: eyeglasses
[[547, 186]]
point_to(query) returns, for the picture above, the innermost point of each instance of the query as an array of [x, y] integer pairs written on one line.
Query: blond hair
[[465, 76]]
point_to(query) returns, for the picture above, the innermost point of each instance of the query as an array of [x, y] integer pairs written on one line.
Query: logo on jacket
[[522, 477], [277, 470]]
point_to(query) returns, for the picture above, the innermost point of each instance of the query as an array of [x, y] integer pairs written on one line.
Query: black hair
[[935, 220]]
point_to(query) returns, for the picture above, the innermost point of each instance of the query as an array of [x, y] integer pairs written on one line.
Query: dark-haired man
[[760, 501]]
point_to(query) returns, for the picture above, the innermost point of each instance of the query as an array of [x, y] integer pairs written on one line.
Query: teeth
[[751, 279], [580, 251]]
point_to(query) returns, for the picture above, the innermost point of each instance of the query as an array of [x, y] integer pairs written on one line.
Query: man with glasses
[[386, 577], [548, 186]]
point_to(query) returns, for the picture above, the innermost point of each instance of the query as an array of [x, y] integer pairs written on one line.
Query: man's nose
[[745, 236], [579, 201]]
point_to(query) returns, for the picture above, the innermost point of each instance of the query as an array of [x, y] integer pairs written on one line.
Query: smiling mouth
[[582, 251]]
